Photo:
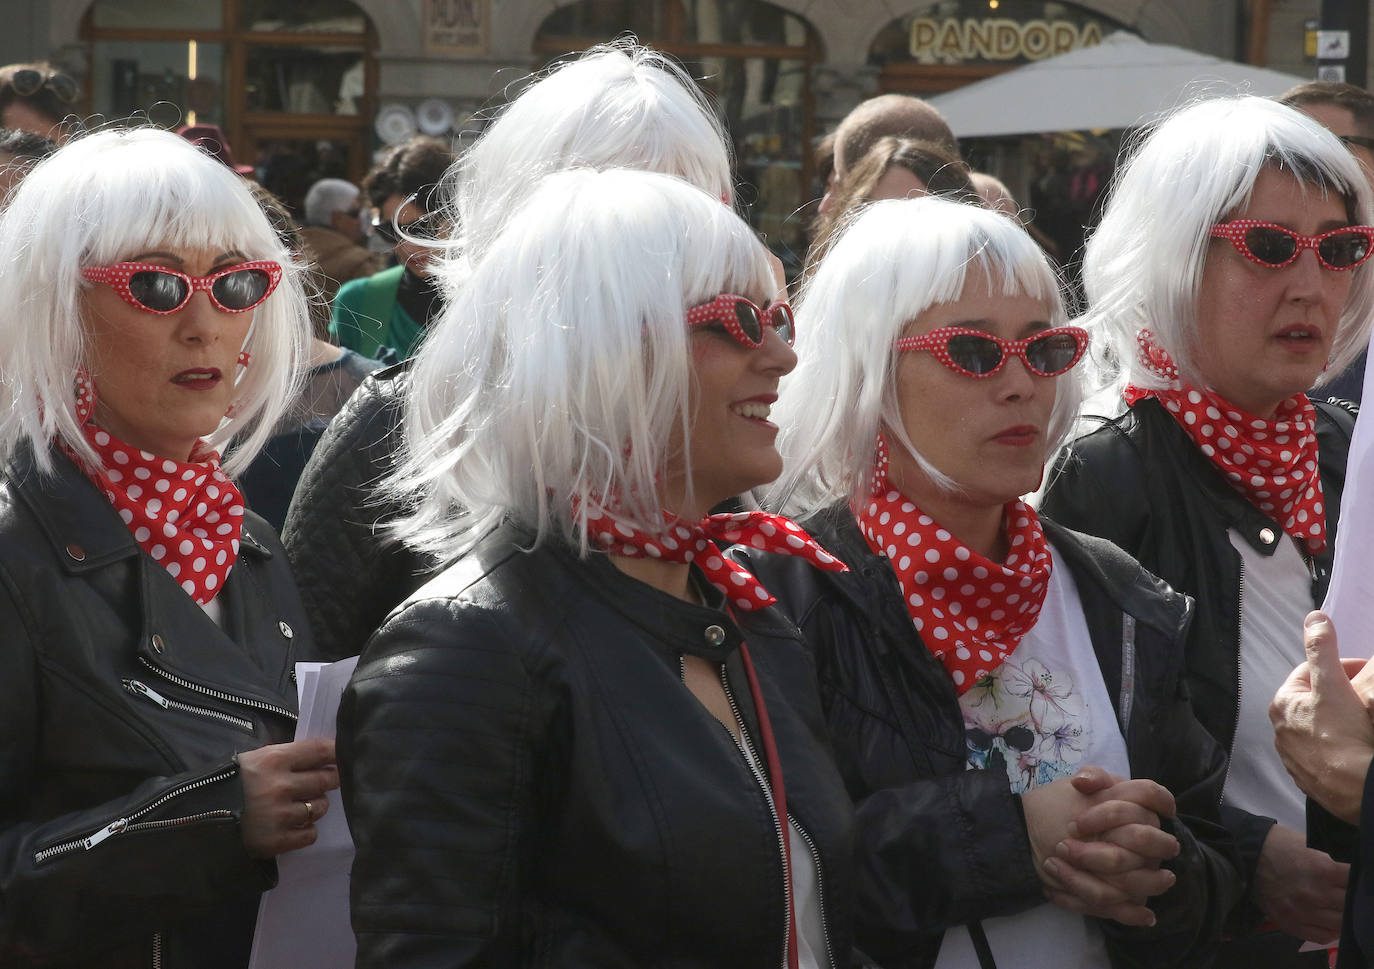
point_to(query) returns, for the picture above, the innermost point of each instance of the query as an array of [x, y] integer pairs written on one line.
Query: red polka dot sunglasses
[[976, 353], [1274, 246], [744, 320], [158, 289]]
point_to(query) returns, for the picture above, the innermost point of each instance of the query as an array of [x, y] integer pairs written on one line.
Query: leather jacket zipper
[[820, 892], [186, 684], [753, 760], [157, 950], [131, 823], [1240, 686], [139, 688]]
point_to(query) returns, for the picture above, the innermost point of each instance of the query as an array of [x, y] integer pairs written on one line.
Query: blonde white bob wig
[[100, 200], [1142, 268], [616, 106], [894, 260], [558, 380]]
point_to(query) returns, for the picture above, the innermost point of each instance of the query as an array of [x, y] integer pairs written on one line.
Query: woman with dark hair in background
[[384, 316]]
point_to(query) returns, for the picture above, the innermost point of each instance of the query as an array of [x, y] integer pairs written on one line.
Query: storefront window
[[256, 68], [754, 61], [304, 80], [168, 83]]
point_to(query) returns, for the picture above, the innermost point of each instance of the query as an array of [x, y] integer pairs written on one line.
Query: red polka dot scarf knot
[[1273, 463], [970, 611], [689, 542], [187, 515]]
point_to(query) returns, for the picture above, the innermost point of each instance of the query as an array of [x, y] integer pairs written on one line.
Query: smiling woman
[[571, 706], [152, 627]]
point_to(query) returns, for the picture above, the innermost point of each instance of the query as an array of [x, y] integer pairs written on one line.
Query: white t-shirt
[[1044, 714], [1275, 597]]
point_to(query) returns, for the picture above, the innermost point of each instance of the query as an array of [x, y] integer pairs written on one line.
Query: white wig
[[616, 106], [560, 377], [893, 261], [100, 200], [1142, 269]]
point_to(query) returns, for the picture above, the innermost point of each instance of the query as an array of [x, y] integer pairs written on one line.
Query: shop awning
[[1121, 83]]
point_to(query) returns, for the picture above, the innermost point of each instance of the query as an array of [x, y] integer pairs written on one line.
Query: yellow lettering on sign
[[998, 39], [1035, 40], [1008, 39], [922, 36], [950, 44]]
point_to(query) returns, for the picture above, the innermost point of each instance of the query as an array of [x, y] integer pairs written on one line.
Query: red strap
[[770, 753]]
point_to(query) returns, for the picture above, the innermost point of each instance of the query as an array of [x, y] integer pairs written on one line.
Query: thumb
[[1323, 655]]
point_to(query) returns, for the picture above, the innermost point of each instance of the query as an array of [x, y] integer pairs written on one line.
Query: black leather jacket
[[530, 783], [1141, 482], [119, 834], [941, 845], [351, 572]]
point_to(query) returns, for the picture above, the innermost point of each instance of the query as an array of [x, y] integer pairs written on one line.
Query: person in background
[[384, 316], [562, 750], [888, 115], [619, 105], [892, 168], [334, 374], [1227, 276], [19, 151], [148, 778], [333, 234], [989, 679], [1348, 112], [37, 97]]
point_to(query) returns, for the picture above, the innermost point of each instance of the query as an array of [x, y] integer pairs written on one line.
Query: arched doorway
[[754, 59], [292, 84]]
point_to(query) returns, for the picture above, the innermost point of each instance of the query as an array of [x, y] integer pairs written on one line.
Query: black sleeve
[[351, 571]]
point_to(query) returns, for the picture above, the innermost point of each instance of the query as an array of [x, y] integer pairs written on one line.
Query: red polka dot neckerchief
[[695, 542], [970, 611], [187, 515], [1273, 463]]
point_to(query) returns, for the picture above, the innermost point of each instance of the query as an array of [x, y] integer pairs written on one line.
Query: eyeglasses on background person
[[28, 82]]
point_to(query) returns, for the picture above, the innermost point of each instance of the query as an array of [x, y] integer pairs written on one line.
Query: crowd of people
[[926, 619]]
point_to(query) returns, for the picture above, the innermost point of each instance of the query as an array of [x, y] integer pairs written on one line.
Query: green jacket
[[367, 316]]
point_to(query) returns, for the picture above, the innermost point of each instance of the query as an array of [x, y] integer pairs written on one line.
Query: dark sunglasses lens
[[158, 291], [385, 231], [1052, 354], [749, 321], [242, 289], [64, 86], [975, 354], [1270, 245], [26, 82], [1344, 250]]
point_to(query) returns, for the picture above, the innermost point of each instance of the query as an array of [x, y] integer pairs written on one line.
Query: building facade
[[313, 87]]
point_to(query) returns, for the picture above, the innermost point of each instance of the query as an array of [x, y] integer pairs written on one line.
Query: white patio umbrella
[[1121, 83]]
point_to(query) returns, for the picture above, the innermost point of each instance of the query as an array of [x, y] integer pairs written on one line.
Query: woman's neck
[[674, 578]]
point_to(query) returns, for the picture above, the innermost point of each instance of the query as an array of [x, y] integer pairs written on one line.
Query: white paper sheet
[[303, 922], [1350, 599]]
